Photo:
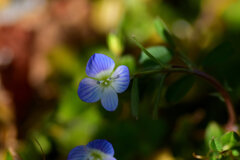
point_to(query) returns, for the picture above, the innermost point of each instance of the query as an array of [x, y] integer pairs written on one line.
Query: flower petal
[[89, 90], [99, 65], [78, 153], [102, 145], [121, 79], [109, 158], [109, 98]]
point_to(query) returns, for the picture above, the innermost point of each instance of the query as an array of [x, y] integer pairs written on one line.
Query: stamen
[[99, 82], [116, 77]]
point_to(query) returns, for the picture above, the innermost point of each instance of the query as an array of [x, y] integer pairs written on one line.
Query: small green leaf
[[215, 145], [213, 130], [135, 98], [229, 140], [147, 52], [42, 142], [160, 53], [157, 98], [179, 89], [163, 31], [8, 156]]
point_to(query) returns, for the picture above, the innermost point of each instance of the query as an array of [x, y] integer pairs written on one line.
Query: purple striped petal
[[89, 90], [78, 153], [99, 65], [109, 99], [102, 145], [120, 79]]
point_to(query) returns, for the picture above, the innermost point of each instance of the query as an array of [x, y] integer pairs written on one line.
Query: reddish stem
[[217, 85], [230, 126]]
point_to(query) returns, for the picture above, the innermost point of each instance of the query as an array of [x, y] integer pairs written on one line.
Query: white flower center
[[95, 155], [108, 81]]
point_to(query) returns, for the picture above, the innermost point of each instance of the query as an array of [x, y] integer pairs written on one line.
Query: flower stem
[[211, 80]]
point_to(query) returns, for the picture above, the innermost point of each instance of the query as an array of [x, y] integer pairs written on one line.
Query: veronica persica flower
[[95, 150], [104, 83]]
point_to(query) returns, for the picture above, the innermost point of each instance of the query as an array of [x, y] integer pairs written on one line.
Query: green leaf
[[135, 98], [229, 140], [8, 156], [42, 142], [147, 52], [160, 53], [213, 130], [215, 145], [163, 31], [179, 89], [157, 98]]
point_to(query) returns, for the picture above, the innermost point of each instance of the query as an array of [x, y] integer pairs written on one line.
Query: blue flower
[[104, 83], [95, 150]]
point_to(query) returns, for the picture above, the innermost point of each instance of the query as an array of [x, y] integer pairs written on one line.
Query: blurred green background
[[44, 49]]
